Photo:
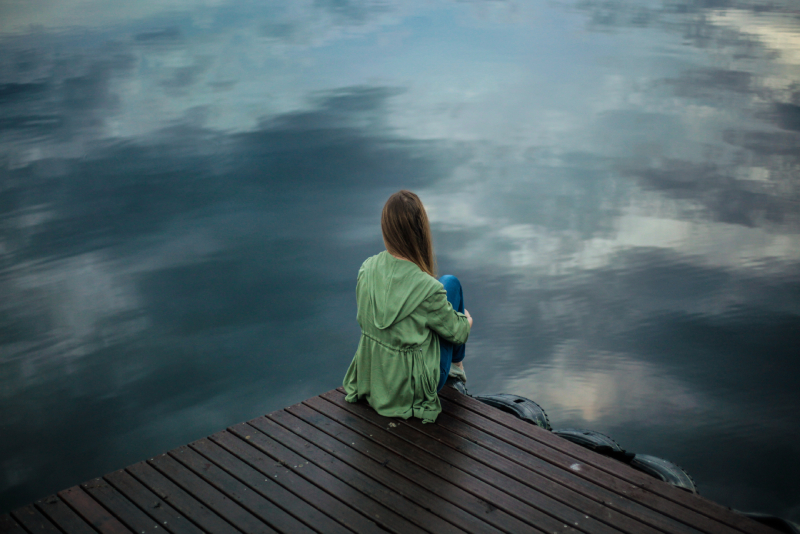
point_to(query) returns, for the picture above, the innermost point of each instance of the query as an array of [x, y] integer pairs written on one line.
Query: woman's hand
[[469, 317]]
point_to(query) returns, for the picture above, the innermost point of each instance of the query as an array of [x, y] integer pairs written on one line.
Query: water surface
[[187, 190]]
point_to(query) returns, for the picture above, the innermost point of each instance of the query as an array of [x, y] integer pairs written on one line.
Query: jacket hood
[[392, 288]]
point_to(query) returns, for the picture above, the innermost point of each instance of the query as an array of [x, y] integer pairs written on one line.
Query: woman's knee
[[453, 289], [450, 282]]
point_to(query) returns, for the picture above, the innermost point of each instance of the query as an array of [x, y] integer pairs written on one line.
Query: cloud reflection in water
[[582, 388]]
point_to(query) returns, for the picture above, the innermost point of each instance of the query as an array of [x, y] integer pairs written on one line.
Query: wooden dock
[[331, 467]]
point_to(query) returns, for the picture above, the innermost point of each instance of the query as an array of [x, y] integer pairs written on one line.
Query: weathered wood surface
[[328, 466]]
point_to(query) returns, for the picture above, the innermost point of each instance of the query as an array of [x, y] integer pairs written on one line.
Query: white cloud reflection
[[579, 386], [82, 304], [778, 32], [533, 250], [22, 16]]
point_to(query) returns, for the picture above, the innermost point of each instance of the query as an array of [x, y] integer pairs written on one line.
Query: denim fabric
[[448, 352]]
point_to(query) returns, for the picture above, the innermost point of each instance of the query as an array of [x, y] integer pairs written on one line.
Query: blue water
[[187, 191]]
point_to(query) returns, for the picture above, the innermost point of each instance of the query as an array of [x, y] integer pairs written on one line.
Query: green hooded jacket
[[402, 312]]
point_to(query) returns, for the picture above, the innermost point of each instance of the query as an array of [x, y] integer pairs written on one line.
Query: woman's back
[[388, 292]]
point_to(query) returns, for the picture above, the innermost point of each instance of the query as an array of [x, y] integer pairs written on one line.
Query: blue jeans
[[450, 353]]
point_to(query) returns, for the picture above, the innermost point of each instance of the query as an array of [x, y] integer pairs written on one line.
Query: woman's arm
[[451, 325]]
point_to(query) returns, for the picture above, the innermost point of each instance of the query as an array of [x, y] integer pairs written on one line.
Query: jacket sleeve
[[451, 325]]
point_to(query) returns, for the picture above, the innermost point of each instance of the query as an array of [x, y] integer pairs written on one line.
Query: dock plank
[[315, 485], [217, 501], [564, 494], [526, 463], [127, 512], [527, 448], [411, 487], [464, 489], [394, 513], [63, 516], [252, 501], [9, 526], [164, 515], [281, 495], [187, 505], [404, 476], [431, 502], [504, 474], [34, 521], [597, 463], [100, 518]]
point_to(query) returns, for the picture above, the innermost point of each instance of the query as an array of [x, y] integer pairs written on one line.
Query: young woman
[[413, 326]]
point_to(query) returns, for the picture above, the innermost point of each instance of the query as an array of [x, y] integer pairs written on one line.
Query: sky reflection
[[188, 189]]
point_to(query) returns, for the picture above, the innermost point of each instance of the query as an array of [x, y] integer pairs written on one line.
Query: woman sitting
[[413, 326]]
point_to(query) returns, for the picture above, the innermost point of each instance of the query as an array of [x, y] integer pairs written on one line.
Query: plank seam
[[20, 523], [13, 521], [670, 514], [437, 458], [547, 447], [152, 464], [361, 473], [517, 479], [25, 528], [122, 496], [183, 514], [456, 503], [434, 511], [225, 493], [283, 488], [384, 524], [666, 493], [155, 519], [400, 454], [68, 505], [305, 478], [585, 493], [234, 499]]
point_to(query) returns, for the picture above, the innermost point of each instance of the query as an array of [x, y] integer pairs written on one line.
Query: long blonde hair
[[407, 232]]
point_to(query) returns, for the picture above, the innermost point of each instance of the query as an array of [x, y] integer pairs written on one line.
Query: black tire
[[525, 409]]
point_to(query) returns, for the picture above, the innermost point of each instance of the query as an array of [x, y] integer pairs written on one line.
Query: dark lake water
[[187, 190]]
